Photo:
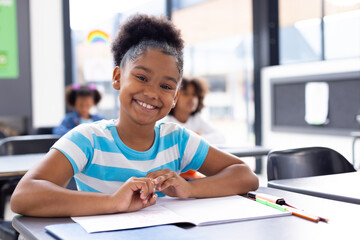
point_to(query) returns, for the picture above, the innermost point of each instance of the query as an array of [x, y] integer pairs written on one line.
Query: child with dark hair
[[79, 98], [187, 114], [188, 107], [123, 165]]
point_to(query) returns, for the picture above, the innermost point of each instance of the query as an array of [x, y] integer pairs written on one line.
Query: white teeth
[[146, 105]]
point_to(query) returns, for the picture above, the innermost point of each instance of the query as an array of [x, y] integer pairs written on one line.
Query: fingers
[[161, 175], [166, 183], [151, 200], [163, 178], [158, 173], [144, 186]]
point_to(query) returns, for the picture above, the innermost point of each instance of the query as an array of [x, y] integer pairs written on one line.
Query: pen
[[270, 204], [281, 201], [303, 214], [267, 197]]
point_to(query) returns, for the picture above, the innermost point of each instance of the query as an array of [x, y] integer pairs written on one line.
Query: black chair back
[[44, 130], [27, 144], [306, 162]]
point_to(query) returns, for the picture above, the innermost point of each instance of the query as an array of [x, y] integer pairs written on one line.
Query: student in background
[[124, 164], [80, 98], [187, 111], [187, 114]]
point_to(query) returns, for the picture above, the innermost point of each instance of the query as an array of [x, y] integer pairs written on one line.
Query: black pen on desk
[[267, 197]]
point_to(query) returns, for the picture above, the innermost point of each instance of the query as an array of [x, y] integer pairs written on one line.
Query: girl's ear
[[116, 78]]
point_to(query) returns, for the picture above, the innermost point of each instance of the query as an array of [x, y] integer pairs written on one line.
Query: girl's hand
[[135, 194], [170, 183]]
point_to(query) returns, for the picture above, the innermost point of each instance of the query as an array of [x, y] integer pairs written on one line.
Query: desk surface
[[343, 222], [18, 165], [254, 151], [336, 186]]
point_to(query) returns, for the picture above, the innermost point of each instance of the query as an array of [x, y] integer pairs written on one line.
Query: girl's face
[[188, 100], [83, 106], [148, 87]]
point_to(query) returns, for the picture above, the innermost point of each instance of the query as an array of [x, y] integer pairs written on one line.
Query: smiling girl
[[123, 165]]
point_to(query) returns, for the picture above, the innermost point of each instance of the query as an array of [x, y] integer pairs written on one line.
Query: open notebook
[[172, 210]]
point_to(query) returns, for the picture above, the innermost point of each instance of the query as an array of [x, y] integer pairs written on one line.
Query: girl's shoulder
[[166, 128], [101, 127], [163, 126]]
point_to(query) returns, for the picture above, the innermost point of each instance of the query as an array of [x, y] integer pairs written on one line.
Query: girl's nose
[[151, 91]]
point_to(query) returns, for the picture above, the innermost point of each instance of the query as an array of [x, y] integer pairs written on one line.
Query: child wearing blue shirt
[[123, 165], [80, 98]]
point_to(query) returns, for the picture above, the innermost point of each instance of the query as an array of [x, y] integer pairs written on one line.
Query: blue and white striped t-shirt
[[102, 162]]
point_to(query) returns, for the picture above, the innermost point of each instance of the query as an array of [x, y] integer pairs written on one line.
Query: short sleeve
[[77, 146], [193, 149]]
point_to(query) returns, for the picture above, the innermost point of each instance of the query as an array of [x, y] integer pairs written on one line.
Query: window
[[299, 30], [218, 48], [342, 29], [92, 32], [313, 30]]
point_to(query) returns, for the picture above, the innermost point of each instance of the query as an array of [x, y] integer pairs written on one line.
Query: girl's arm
[[226, 175], [41, 193]]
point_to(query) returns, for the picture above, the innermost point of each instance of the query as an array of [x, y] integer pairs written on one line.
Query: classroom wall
[[15, 93], [47, 62], [285, 140]]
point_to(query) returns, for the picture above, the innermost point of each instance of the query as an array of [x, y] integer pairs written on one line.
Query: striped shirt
[[102, 162]]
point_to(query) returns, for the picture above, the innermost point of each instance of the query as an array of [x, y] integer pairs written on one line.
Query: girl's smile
[[145, 105]]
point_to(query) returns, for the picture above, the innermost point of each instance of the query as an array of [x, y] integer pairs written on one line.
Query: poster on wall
[[9, 60]]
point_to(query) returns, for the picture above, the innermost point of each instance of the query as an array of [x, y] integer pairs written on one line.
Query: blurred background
[[227, 42]]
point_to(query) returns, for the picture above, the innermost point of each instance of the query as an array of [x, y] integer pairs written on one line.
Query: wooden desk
[[342, 187], [18, 165], [256, 151], [343, 222]]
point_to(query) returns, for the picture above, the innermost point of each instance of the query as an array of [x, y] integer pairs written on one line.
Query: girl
[[188, 108], [122, 165], [81, 99], [187, 114]]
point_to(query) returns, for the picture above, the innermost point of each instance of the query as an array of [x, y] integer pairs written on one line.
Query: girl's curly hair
[[201, 88], [72, 92], [141, 32]]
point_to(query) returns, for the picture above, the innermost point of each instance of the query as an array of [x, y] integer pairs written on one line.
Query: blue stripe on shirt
[[199, 157], [82, 142], [184, 136], [104, 144], [107, 173]]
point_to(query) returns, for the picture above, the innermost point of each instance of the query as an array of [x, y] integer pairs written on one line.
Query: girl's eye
[[141, 78], [167, 87]]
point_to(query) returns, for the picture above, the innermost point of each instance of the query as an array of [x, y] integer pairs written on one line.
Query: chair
[[44, 130], [14, 146], [306, 162], [27, 144]]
